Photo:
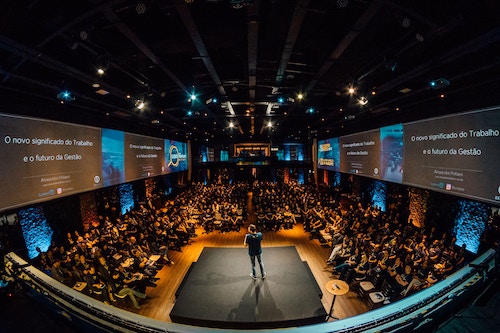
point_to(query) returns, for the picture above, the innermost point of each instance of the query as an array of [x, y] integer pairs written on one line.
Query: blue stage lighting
[[66, 96]]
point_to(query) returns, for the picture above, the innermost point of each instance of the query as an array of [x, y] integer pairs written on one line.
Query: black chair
[[372, 282], [382, 297]]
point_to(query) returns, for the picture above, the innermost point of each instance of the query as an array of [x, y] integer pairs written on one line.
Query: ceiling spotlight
[[84, 34], [139, 104], [439, 83], [281, 99], [300, 96], [363, 101], [212, 100], [231, 124], [310, 110], [189, 113], [270, 124], [66, 96], [405, 23], [351, 90], [100, 71]]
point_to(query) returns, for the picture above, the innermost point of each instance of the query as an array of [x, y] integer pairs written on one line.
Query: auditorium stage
[[218, 291]]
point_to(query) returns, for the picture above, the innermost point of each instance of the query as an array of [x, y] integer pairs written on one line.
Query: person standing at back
[[253, 240]]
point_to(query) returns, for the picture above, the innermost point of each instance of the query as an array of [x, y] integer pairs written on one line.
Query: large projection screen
[[360, 154], [144, 156], [457, 154], [176, 158], [43, 160], [329, 154]]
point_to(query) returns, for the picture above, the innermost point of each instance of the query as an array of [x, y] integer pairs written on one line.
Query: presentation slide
[[144, 156], [176, 158], [113, 157], [391, 153], [459, 154], [360, 154], [329, 154], [42, 160]]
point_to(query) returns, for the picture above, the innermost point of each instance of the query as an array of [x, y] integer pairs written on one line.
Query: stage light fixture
[[406, 22], [439, 83], [310, 110], [84, 35], [140, 8], [139, 104], [66, 96]]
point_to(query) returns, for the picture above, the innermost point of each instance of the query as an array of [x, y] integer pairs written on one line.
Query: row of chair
[[375, 289]]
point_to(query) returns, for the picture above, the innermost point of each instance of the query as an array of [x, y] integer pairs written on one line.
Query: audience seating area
[[378, 253]]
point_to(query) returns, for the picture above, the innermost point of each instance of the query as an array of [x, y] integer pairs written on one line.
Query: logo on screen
[[174, 156], [97, 179], [448, 187], [59, 190]]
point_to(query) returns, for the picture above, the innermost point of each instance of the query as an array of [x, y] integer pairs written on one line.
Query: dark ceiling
[[247, 54]]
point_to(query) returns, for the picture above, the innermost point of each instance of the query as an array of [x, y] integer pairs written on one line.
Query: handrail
[[416, 310]]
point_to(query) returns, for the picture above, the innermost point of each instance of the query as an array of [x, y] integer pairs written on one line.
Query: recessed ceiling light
[[96, 85], [102, 92]]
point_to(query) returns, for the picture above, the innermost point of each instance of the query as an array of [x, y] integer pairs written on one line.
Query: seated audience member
[[347, 265], [143, 264], [60, 274], [123, 286], [97, 286], [403, 278], [337, 250], [361, 269], [434, 251]]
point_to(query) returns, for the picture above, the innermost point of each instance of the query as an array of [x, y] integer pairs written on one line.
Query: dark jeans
[[261, 264]]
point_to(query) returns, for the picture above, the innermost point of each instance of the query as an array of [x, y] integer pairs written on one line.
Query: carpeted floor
[[219, 292]]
